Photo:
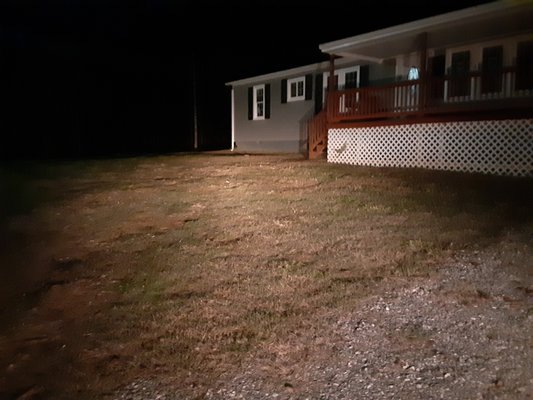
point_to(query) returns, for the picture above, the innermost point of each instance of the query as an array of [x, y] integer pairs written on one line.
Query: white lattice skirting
[[503, 147]]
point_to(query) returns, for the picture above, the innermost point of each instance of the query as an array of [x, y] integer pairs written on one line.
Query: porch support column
[[423, 46], [331, 77], [331, 87]]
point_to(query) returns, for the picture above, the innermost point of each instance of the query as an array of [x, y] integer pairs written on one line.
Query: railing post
[[507, 83]]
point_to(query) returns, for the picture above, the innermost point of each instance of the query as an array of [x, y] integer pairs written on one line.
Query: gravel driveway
[[464, 333]]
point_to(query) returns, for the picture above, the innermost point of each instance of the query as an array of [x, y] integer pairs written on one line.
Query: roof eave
[[357, 57], [338, 46], [311, 68]]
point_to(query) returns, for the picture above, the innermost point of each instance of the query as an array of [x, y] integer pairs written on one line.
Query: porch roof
[[455, 28]]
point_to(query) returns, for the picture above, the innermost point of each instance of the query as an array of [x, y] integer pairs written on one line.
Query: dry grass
[[189, 263]]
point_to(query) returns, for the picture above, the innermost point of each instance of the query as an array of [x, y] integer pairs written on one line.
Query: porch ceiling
[[455, 28]]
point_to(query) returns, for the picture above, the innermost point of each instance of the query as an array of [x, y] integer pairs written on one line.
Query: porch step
[[319, 151], [317, 135]]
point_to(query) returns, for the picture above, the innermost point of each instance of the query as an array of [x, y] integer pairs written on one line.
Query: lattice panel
[[503, 147]]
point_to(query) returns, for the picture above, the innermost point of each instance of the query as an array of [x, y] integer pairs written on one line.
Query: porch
[[476, 93], [467, 107], [474, 96]]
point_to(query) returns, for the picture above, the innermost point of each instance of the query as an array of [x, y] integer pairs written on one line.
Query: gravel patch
[[464, 333]]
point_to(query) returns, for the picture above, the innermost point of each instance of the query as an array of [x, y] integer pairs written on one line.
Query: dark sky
[[90, 78]]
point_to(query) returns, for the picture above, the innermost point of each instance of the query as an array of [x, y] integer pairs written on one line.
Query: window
[[296, 89], [259, 102], [460, 70], [413, 74], [350, 80], [491, 67]]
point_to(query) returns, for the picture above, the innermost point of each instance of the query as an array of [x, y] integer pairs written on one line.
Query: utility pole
[[195, 106]]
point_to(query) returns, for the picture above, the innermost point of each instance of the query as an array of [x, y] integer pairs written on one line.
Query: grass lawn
[[180, 266]]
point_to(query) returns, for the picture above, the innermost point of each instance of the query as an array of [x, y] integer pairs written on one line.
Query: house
[[451, 92], [270, 112], [467, 107]]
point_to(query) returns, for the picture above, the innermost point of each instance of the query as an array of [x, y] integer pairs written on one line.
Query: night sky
[[90, 78]]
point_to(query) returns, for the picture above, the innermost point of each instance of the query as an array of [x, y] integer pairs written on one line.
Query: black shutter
[[267, 101], [318, 93], [250, 103], [524, 65], [309, 87], [283, 91], [364, 70]]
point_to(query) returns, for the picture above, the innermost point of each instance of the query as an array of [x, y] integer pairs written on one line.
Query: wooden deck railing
[[317, 134], [475, 91]]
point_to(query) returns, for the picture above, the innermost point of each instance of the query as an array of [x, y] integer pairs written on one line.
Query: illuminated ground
[[185, 270]]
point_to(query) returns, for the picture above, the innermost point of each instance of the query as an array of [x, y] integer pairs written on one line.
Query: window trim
[[255, 102], [340, 75], [289, 83]]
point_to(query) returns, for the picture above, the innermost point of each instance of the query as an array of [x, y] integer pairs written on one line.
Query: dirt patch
[[189, 275]]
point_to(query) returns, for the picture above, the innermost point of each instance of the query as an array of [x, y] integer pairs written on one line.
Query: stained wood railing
[[317, 135], [474, 91]]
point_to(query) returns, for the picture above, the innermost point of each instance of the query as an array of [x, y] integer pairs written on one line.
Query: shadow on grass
[[495, 202]]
